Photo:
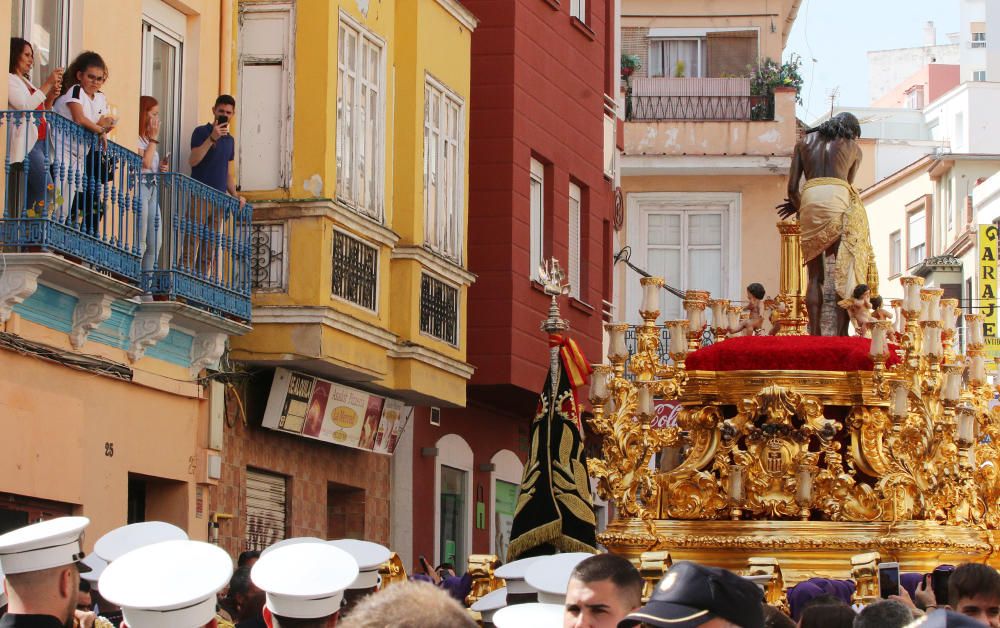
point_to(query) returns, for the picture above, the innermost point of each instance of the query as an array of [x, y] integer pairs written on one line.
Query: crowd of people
[[150, 575], [73, 191]]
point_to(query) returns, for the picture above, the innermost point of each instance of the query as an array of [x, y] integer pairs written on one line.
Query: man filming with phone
[[212, 150]]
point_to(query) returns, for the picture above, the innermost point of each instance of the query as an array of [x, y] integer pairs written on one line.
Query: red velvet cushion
[[787, 353]]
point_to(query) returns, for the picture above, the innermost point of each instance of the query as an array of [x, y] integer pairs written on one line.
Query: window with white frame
[[537, 201], [578, 9], [575, 237], [915, 97], [266, 93], [453, 510], [444, 122], [978, 40], [359, 118], [895, 253], [916, 235], [979, 75], [946, 203], [44, 23], [685, 247], [677, 58]]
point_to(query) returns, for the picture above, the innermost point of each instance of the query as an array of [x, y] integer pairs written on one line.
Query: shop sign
[[323, 410]]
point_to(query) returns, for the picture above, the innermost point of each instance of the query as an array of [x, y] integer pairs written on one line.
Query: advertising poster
[[345, 415], [313, 407]]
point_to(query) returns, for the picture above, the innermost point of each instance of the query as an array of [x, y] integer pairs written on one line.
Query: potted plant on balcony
[[768, 75], [629, 64]]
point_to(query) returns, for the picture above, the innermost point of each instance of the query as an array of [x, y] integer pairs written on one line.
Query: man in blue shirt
[[212, 148]]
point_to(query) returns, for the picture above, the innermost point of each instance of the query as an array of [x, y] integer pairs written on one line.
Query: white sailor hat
[[97, 566], [123, 540], [489, 604], [513, 574], [171, 584], [550, 576], [369, 556], [304, 580], [43, 545], [533, 615], [292, 541], [3, 591]]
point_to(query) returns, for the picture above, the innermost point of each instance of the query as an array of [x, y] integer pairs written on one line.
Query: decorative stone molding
[[206, 350], [16, 285], [91, 310], [148, 328]]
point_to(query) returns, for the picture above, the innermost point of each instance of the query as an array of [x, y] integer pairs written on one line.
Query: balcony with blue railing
[[205, 257], [79, 206], [71, 193]]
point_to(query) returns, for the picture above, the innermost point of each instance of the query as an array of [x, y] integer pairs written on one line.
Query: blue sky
[[839, 33]]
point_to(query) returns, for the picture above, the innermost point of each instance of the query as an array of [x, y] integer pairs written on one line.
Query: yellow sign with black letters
[[988, 279]]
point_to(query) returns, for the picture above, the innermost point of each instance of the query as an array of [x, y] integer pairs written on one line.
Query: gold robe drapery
[[830, 209]]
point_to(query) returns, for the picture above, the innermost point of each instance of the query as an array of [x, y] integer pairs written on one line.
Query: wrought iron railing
[[631, 343], [205, 256], [700, 108], [70, 192], [268, 263], [438, 309], [355, 270]]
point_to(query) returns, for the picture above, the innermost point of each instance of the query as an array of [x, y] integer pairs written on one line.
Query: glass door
[[161, 79], [43, 24]]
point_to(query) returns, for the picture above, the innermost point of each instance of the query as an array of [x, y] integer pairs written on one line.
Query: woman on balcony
[[150, 222], [28, 134], [83, 102]]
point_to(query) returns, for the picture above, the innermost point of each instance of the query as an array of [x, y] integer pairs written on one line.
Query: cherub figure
[[878, 312], [755, 308], [859, 307]]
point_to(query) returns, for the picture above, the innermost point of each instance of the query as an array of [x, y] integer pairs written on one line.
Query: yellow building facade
[[365, 202]]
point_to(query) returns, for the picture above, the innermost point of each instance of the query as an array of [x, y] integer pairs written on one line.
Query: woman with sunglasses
[[28, 134], [83, 102]]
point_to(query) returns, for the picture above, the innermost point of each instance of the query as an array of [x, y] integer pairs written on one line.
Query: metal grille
[[438, 309], [632, 344], [267, 244], [355, 270], [700, 108]]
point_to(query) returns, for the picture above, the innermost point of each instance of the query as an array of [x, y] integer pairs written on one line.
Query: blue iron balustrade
[[205, 253], [71, 192], [631, 343]]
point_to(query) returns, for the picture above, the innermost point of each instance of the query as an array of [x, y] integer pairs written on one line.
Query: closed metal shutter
[[266, 506]]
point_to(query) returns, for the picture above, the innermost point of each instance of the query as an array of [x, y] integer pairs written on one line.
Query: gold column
[[792, 286]]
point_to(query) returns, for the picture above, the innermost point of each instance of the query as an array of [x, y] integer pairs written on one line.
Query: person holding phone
[[150, 230], [212, 150], [28, 137]]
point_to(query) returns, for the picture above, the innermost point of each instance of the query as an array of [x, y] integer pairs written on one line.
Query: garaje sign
[[324, 410], [988, 279]]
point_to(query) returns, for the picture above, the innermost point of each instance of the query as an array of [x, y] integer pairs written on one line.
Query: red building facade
[[539, 187]]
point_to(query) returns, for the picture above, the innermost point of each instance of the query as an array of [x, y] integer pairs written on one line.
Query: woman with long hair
[[83, 102], [150, 228], [28, 139]]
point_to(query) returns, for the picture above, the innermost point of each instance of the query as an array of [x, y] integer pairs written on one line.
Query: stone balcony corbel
[[16, 285], [91, 310], [150, 325]]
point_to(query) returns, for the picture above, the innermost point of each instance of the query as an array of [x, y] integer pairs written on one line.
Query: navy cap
[[691, 594]]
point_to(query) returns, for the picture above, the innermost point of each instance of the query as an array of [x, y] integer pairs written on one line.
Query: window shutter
[[575, 276], [265, 509], [729, 53]]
